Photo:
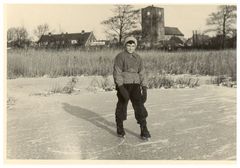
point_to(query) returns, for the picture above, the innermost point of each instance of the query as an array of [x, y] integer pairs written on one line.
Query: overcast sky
[[75, 18]]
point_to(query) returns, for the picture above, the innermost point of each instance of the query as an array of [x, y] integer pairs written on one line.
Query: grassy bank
[[37, 63]]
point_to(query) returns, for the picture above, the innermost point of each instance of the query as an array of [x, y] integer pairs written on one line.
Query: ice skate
[[145, 135], [120, 131]]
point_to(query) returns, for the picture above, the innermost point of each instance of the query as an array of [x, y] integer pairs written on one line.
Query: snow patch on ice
[[163, 141], [158, 124], [192, 129]]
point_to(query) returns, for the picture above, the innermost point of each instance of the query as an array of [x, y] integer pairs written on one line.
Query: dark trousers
[[135, 96]]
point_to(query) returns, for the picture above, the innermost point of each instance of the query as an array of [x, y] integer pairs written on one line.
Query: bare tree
[[22, 33], [41, 30], [223, 21], [18, 35], [123, 21], [11, 34]]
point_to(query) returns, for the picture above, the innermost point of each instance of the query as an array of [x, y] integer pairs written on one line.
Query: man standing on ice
[[131, 84]]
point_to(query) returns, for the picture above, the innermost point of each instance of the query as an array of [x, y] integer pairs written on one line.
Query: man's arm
[[117, 70], [118, 79], [142, 75], [143, 81]]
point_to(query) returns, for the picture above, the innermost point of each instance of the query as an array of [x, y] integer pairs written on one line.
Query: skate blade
[[121, 136], [145, 139]]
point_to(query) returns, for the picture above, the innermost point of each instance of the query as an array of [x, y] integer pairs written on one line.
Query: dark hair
[[130, 42]]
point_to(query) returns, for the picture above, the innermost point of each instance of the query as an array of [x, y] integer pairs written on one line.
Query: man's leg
[[121, 113], [139, 110]]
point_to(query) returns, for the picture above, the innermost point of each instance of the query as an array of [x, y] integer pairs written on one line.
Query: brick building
[[154, 32]]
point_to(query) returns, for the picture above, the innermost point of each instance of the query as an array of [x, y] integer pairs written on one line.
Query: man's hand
[[123, 92], [144, 94]]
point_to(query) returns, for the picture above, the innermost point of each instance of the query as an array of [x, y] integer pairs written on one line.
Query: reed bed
[[54, 63]]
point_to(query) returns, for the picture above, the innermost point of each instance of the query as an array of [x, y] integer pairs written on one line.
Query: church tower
[[152, 25]]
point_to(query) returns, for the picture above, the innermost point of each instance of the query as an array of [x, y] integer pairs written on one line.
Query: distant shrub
[[166, 81], [68, 89], [183, 82], [10, 102], [101, 84], [223, 80], [160, 81]]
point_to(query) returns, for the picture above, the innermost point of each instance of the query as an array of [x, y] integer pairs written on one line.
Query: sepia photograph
[[121, 82]]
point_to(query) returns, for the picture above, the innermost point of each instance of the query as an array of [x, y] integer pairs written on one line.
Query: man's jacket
[[128, 69]]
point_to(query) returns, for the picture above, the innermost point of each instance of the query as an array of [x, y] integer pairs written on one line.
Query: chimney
[[83, 31], [49, 33]]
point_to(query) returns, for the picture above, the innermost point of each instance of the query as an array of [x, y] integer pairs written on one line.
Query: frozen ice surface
[[185, 124]]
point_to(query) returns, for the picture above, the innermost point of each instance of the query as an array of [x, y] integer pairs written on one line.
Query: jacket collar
[[133, 54]]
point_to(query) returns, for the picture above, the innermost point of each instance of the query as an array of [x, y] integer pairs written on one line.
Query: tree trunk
[[224, 31], [120, 39], [120, 36]]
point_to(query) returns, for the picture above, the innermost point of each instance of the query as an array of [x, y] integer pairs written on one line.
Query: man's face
[[130, 47]]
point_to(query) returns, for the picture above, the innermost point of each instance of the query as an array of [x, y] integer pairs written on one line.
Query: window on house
[[73, 41]]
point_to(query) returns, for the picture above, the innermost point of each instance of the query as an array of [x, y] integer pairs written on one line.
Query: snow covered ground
[[185, 124]]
